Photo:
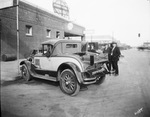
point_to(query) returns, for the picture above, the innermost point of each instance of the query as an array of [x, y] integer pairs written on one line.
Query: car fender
[[27, 63], [72, 66]]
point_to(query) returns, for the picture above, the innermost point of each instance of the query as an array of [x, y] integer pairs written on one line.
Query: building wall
[[8, 31], [40, 21]]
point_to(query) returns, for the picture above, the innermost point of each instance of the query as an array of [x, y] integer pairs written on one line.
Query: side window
[[29, 30], [47, 50], [71, 45]]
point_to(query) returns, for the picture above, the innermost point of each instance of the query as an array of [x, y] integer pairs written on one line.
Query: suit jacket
[[108, 51], [115, 54]]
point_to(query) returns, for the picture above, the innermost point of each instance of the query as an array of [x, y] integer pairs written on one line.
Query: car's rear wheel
[[25, 73], [68, 82]]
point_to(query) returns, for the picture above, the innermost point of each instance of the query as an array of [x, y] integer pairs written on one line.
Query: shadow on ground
[[35, 81]]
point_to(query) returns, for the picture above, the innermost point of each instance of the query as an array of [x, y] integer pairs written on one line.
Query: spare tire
[[9, 57]]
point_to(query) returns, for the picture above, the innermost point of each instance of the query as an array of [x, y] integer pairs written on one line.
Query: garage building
[[35, 26]]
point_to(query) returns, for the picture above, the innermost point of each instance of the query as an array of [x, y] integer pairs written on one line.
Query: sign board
[[6, 3], [60, 7], [70, 26]]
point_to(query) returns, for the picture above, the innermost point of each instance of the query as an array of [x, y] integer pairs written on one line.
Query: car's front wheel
[[25, 73], [68, 82]]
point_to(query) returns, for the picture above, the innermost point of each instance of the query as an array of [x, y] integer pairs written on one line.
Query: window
[[57, 34], [71, 45], [48, 33], [28, 30]]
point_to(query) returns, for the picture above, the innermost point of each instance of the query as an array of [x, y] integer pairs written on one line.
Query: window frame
[[71, 45], [29, 30], [48, 33], [57, 34]]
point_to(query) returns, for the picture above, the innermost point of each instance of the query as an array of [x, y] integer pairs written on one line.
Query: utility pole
[[17, 21], [112, 36]]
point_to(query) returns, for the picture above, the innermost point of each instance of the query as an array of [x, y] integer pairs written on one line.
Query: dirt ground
[[126, 95]]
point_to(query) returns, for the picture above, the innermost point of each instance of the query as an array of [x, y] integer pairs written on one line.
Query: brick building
[[35, 26]]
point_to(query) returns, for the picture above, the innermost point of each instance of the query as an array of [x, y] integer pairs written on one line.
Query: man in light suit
[[115, 54]]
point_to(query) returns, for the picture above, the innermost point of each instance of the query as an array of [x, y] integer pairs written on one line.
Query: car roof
[[54, 41]]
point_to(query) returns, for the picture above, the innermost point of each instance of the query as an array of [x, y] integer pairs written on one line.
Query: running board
[[45, 77]]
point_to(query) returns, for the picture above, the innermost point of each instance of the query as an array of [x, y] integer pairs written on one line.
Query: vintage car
[[69, 63]]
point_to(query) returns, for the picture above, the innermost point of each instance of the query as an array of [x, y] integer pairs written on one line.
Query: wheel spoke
[[71, 87], [66, 77], [68, 82]]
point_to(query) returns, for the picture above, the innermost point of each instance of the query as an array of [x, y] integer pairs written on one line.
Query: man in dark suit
[[115, 54]]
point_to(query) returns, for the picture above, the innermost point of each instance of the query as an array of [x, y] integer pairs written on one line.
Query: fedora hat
[[114, 42]]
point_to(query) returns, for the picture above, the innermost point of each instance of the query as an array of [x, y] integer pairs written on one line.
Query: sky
[[123, 19]]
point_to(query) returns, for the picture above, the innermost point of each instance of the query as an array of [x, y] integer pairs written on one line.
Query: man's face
[[114, 44]]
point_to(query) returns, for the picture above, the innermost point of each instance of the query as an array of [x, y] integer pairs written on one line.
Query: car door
[[45, 63]]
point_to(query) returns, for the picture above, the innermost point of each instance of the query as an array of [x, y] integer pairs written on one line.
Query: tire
[[68, 82], [101, 80], [25, 73]]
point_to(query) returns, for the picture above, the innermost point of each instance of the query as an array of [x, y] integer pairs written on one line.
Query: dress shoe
[[116, 74]]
